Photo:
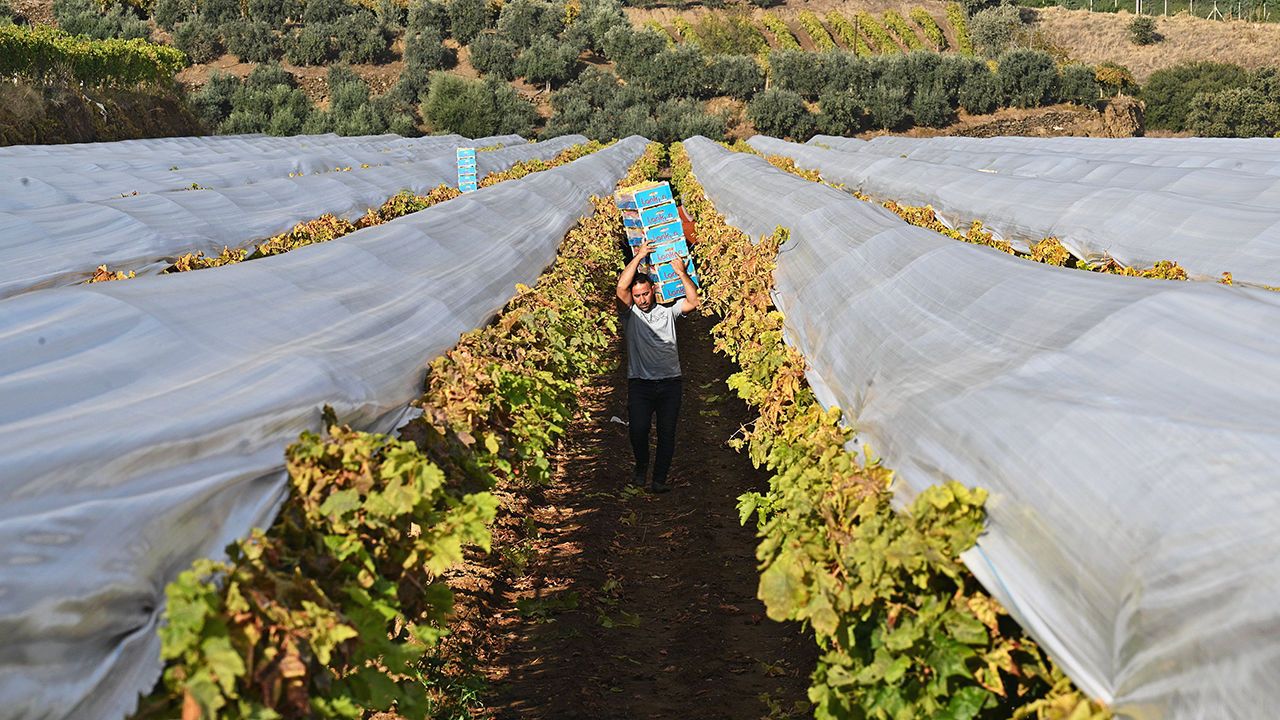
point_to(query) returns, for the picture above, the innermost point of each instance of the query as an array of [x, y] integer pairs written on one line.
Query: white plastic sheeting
[[1126, 429], [1197, 182], [38, 183], [1134, 226], [144, 422], [1253, 155], [59, 245]]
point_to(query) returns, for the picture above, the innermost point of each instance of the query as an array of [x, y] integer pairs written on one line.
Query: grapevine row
[[899, 27], [955, 16], [38, 51], [329, 227], [904, 629], [812, 25], [931, 29], [335, 611], [848, 33], [876, 32], [782, 33]]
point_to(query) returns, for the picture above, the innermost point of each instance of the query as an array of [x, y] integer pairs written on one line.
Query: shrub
[[840, 113], [930, 27], [730, 32], [523, 21], [1142, 30], [596, 19], [980, 93], [631, 49], [1080, 85], [798, 71], [678, 119], [494, 54], [467, 18], [1234, 112], [548, 60], [217, 12], [1028, 78], [212, 102], [887, 106], [424, 52], [930, 106], [199, 39], [359, 38], [324, 11], [310, 45], [269, 101], [428, 15], [251, 40], [674, 73], [780, 113], [168, 13], [271, 12], [994, 29], [736, 76], [83, 17], [1114, 79], [1168, 92], [476, 108]]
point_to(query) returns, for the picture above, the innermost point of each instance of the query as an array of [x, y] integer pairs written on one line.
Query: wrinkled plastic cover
[[145, 422], [63, 244], [40, 182], [1135, 225], [1195, 181], [1125, 428]]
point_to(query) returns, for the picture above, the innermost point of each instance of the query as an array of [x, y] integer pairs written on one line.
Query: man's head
[[642, 292]]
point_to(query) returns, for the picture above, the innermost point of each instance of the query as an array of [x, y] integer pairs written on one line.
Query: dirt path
[[643, 606]]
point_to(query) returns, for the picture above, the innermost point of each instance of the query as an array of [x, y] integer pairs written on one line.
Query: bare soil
[[624, 604]]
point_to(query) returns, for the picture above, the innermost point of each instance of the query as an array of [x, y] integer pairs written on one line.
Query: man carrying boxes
[[654, 386]]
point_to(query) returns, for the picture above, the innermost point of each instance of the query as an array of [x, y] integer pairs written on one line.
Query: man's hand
[[645, 248], [677, 264]]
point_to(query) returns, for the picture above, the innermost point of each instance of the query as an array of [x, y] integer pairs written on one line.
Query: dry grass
[[1097, 37]]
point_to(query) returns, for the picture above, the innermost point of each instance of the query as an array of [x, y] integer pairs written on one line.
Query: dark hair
[[641, 278]]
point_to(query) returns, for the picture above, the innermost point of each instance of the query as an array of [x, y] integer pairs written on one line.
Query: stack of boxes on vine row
[[649, 213], [467, 169]]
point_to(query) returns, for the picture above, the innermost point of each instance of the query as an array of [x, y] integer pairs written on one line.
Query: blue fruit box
[[664, 272], [670, 290], [467, 163], [466, 153], [467, 186], [466, 177], [657, 234], [644, 195], [666, 252], [656, 215]]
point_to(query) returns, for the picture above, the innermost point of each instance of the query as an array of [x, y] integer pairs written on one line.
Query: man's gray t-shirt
[[651, 342]]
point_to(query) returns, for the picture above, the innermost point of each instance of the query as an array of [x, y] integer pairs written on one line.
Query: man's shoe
[[660, 487], [638, 478]]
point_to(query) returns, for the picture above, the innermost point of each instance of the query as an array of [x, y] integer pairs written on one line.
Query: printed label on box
[[466, 152], [467, 187], [665, 253], [659, 215], [669, 291], [467, 164], [642, 196], [664, 233], [466, 177]]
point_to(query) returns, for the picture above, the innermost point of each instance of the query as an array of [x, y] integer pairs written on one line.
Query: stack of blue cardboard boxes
[[649, 213], [467, 169]]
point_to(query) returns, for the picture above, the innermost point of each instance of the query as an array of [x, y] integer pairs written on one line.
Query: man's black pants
[[645, 398]]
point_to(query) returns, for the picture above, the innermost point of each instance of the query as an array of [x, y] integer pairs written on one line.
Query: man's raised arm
[[690, 301], [629, 273]]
